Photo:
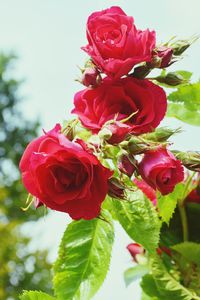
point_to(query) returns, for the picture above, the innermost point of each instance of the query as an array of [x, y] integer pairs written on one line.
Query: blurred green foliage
[[19, 268]]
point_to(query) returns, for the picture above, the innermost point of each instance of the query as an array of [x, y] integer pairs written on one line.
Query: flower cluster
[[68, 174]]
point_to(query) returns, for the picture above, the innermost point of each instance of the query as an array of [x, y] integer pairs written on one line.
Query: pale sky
[[47, 35]]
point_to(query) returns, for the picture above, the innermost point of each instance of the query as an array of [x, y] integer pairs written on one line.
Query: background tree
[[19, 267]]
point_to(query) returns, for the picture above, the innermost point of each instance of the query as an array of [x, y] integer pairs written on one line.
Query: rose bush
[[115, 44], [64, 176], [140, 101], [143, 182]]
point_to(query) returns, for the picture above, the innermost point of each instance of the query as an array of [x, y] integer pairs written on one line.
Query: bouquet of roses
[[113, 163]]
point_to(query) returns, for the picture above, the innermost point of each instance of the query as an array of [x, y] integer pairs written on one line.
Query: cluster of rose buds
[[122, 109]]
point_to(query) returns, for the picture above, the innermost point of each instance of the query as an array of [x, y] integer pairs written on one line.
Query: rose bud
[[149, 192], [172, 79], [135, 251], [190, 159], [114, 42], [126, 164], [91, 77], [161, 134], [64, 176], [162, 57], [181, 45], [118, 131], [161, 170], [116, 188]]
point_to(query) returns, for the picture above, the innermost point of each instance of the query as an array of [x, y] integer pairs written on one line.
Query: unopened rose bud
[[190, 159], [115, 132], [91, 77], [115, 188], [161, 134], [181, 45], [162, 57], [126, 164], [69, 129], [142, 71], [137, 146], [136, 250], [171, 79]]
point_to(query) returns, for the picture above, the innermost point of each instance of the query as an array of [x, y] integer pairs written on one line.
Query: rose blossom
[[141, 101], [115, 44], [161, 170], [64, 176]]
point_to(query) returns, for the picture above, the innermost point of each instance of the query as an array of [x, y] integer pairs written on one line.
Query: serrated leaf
[[168, 286], [149, 287], [167, 204], [35, 295], [84, 259], [139, 219], [190, 251], [135, 273]]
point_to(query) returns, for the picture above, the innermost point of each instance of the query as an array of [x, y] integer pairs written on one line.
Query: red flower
[[115, 44], [146, 189], [119, 131], [135, 249], [126, 164], [143, 102], [64, 176], [161, 170]]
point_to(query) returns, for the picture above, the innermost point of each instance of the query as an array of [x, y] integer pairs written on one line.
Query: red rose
[[64, 176], [142, 99], [161, 170], [135, 250], [115, 44]]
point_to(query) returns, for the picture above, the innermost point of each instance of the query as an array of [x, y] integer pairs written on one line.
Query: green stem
[[184, 221]]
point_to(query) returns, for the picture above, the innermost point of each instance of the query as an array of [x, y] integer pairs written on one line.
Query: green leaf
[[35, 295], [180, 112], [149, 287], [167, 204], [168, 286], [135, 273], [185, 74], [146, 297], [190, 251], [185, 104], [139, 219], [84, 259]]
